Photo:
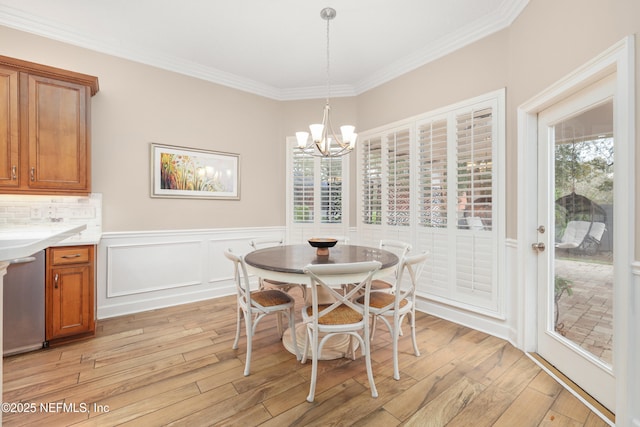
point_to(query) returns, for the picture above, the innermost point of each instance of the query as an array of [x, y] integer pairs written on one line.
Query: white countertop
[[19, 242]]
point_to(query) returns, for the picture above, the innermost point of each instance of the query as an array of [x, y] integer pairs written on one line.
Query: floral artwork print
[[180, 172]]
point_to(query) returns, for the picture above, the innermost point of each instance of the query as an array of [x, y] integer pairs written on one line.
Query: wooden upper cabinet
[[45, 129], [9, 128], [58, 139]]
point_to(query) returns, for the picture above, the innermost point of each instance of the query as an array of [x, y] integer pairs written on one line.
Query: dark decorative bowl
[[322, 245]]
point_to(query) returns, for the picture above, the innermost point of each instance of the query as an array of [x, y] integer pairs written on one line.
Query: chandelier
[[323, 141]]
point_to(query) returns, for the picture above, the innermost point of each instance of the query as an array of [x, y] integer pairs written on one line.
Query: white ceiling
[[273, 48]]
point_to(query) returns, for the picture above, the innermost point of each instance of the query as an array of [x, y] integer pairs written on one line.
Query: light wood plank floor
[[175, 366]]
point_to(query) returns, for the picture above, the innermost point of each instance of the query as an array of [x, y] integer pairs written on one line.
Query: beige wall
[[138, 104], [546, 42]]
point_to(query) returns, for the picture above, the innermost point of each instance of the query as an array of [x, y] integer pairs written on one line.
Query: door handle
[[538, 247]]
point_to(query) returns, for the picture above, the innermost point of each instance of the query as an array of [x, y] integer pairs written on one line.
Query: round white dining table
[[287, 263]]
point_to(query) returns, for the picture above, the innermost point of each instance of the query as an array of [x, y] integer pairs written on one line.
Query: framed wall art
[[194, 173]]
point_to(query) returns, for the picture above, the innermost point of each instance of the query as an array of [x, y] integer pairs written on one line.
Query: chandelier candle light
[[324, 142]]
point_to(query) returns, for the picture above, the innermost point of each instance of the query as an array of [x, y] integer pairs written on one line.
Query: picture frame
[[183, 172]]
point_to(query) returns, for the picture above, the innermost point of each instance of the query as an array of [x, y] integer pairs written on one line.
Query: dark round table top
[[293, 258]]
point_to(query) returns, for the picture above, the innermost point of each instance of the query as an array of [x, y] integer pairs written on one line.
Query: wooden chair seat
[[381, 300], [271, 298], [341, 315], [381, 285]]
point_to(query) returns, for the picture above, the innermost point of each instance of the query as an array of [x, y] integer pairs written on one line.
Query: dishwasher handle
[[24, 260]]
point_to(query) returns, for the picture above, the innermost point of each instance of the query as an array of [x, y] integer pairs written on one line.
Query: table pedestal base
[[334, 348]]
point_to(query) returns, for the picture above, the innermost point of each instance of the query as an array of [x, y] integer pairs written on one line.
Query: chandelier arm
[[329, 129]]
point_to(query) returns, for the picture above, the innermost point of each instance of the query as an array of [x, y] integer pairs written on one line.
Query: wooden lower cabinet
[[70, 293]]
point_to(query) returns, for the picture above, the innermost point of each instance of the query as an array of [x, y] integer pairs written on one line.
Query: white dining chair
[[342, 240], [254, 305], [400, 249], [393, 308], [387, 284], [342, 316], [284, 286]]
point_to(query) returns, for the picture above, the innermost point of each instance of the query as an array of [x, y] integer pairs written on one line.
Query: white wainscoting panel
[[139, 271], [501, 328], [139, 268]]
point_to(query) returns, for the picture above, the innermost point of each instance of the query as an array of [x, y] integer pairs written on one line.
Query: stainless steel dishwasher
[[24, 305]]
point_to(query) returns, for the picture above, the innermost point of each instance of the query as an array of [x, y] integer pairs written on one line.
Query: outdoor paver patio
[[586, 316]]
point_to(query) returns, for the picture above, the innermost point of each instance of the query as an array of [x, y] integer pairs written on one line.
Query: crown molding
[[492, 23], [497, 21], [13, 18]]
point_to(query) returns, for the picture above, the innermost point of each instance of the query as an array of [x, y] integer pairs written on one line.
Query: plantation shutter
[[331, 190], [474, 151], [372, 181], [433, 209], [398, 178], [303, 188], [474, 240], [432, 174]]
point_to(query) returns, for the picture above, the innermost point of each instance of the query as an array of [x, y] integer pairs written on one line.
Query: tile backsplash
[[26, 210]]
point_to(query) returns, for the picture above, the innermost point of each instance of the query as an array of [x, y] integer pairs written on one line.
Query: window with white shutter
[[474, 134], [317, 200], [398, 179], [439, 183], [331, 190], [371, 180], [302, 188], [432, 173], [433, 189], [475, 242]]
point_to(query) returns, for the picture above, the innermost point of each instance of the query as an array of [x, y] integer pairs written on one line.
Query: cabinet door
[[71, 302], [58, 139], [9, 126]]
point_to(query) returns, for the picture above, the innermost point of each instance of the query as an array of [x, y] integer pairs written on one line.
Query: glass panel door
[[576, 148], [583, 279]]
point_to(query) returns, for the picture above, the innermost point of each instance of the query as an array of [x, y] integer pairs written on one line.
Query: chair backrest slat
[[240, 277], [413, 266], [397, 247], [326, 276], [266, 243]]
